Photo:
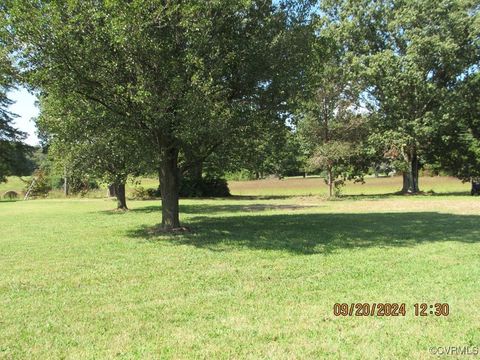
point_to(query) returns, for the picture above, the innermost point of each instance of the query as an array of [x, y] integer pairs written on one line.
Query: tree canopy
[[13, 151], [409, 56], [184, 76], [190, 88]]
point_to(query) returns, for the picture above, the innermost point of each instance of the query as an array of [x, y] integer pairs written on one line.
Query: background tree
[[457, 147], [409, 55], [259, 142], [85, 141], [13, 152], [330, 124]]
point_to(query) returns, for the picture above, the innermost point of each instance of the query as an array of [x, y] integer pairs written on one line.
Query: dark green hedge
[[206, 187]]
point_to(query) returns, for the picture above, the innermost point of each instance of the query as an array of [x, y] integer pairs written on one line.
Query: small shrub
[[81, 186], [338, 187], [153, 193], [206, 187], [140, 193], [41, 184]]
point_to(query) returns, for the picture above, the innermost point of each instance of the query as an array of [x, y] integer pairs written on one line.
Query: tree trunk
[[406, 182], [120, 194], [169, 188], [415, 187], [195, 176], [160, 181], [410, 177], [65, 182], [111, 190], [330, 181], [475, 188], [197, 172], [65, 186]]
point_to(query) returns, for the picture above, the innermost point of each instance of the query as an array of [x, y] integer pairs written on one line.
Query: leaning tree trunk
[[169, 188], [121, 198]]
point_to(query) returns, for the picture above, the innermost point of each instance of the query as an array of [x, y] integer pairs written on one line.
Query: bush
[[206, 187], [41, 184], [140, 193], [81, 186], [153, 193]]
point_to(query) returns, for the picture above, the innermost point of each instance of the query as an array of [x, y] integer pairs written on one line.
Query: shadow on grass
[[212, 209], [9, 200], [322, 233]]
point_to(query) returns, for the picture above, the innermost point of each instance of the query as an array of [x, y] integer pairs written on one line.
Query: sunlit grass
[[256, 278], [317, 186]]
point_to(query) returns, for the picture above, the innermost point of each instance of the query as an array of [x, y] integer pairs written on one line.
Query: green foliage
[[331, 128], [84, 141], [409, 56], [179, 81], [82, 185], [204, 187], [272, 151], [456, 149], [141, 193], [13, 152], [240, 175], [40, 185]]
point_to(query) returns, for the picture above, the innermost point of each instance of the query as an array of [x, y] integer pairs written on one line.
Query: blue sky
[[25, 108]]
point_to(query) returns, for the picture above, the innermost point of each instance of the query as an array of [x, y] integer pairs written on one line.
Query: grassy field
[[257, 277], [13, 183], [291, 186], [372, 186]]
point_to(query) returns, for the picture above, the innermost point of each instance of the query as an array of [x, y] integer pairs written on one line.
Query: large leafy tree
[[330, 124], [410, 54], [260, 143], [457, 148], [87, 141], [13, 151], [176, 71]]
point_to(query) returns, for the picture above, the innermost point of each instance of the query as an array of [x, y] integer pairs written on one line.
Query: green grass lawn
[[257, 278], [13, 183]]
